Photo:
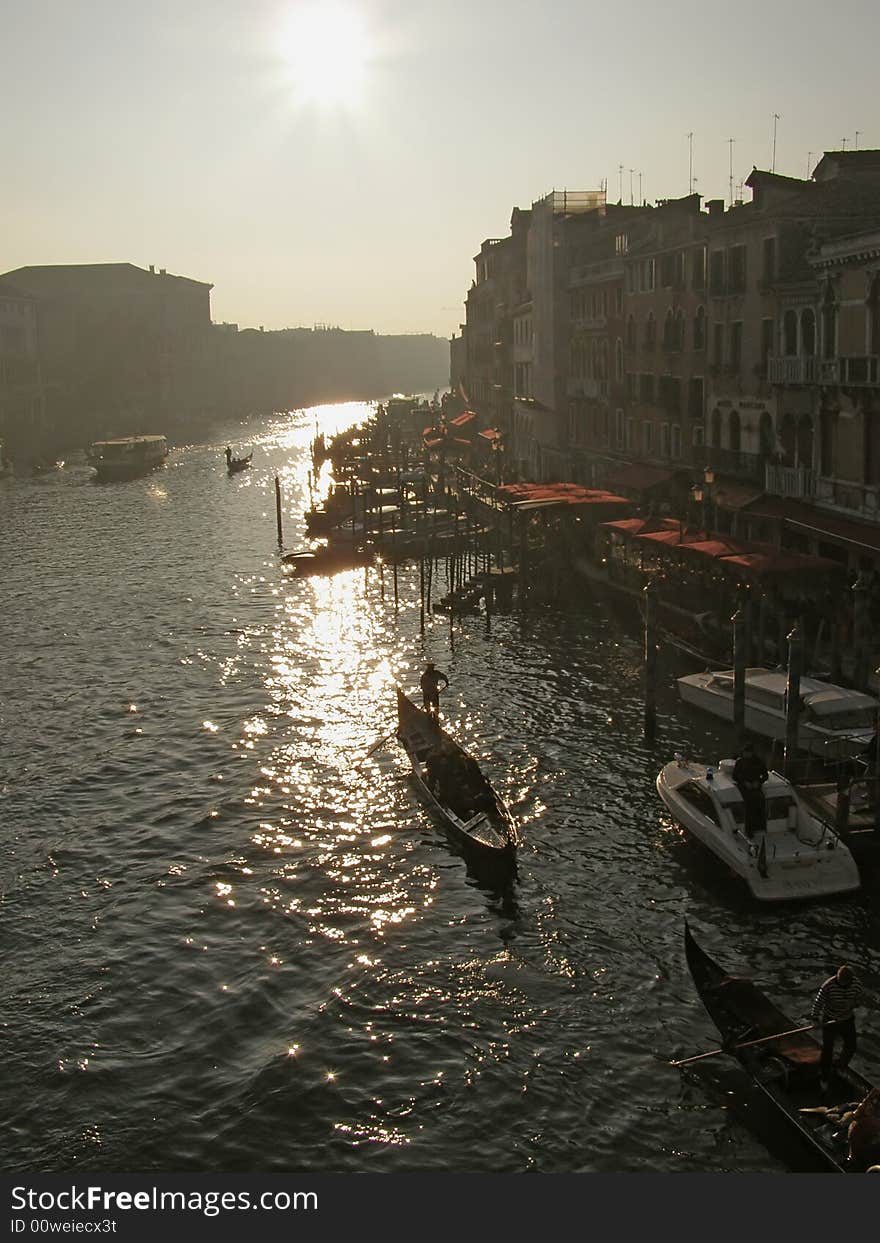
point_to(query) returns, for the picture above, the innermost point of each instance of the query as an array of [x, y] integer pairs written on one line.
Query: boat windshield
[[849, 719]]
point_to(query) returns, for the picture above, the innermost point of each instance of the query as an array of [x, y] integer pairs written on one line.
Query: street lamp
[[698, 496], [709, 481]]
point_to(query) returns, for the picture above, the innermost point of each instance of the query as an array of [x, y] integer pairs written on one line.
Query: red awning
[[490, 433], [461, 419], [715, 548], [677, 535], [759, 564]]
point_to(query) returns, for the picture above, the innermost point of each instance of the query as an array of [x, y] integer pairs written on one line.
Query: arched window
[[790, 332], [826, 443], [808, 331], [766, 436], [829, 323], [716, 429], [733, 432], [650, 331], [874, 317], [788, 439], [700, 329], [669, 331]]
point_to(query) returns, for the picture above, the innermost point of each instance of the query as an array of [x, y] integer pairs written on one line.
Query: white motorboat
[[835, 723], [794, 856], [127, 457]]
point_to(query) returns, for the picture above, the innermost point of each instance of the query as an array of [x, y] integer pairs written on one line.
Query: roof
[[540, 495], [639, 477], [461, 419], [490, 433], [733, 495], [63, 277], [836, 162], [831, 526]]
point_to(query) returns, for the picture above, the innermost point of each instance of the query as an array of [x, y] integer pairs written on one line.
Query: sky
[[341, 163]]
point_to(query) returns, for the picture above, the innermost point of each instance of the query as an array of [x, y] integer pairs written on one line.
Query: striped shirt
[[836, 1001]]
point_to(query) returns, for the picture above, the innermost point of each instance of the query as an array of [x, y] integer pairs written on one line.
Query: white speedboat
[[795, 856], [835, 723]]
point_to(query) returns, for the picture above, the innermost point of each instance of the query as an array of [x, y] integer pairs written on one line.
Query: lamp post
[[709, 481], [698, 496]]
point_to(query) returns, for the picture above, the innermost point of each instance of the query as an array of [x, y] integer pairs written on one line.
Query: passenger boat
[[235, 464], [127, 457], [486, 830], [795, 856], [835, 723], [785, 1070]]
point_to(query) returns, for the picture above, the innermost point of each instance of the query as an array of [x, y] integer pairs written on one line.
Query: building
[[22, 394]]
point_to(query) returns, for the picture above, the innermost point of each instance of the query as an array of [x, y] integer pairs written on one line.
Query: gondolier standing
[[430, 684], [834, 1008]]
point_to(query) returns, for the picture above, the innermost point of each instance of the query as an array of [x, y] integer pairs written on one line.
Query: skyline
[[352, 184]]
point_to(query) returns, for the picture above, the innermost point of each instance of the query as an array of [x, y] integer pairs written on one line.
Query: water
[[228, 948]]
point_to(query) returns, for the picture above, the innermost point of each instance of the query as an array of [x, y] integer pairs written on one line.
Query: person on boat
[[750, 773], [228, 456], [436, 768], [430, 684], [863, 1132], [834, 1007]]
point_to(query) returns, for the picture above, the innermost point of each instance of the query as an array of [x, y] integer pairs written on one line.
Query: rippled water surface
[[233, 943]]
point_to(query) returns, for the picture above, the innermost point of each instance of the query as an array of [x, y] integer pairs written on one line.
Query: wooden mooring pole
[[650, 728], [278, 512], [793, 701], [740, 657]]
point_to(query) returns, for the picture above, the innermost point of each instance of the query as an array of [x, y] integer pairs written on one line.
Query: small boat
[[128, 457], [835, 723], [785, 1070], [475, 818], [235, 464], [325, 560], [795, 856]]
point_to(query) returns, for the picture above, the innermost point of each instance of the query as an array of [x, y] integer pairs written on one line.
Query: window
[[768, 273], [630, 333], [696, 411], [700, 801], [699, 268], [618, 359], [675, 446], [618, 300], [737, 269], [700, 329], [736, 339], [790, 333], [716, 272], [808, 331], [631, 386], [646, 389], [670, 394], [650, 331], [667, 271], [631, 434], [768, 333], [621, 244], [717, 344], [647, 438], [618, 428], [664, 440], [698, 436], [648, 281]]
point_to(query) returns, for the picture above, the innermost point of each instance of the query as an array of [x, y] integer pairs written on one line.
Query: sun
[[326, 48]]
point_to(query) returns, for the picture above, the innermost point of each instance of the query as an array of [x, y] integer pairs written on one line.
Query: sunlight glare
[[327, 50]]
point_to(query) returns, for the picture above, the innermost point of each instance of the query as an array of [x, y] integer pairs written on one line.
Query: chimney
[[162, 272], [716, 207], [153, 268]]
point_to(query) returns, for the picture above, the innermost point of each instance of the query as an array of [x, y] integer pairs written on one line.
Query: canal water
[[232, 942]]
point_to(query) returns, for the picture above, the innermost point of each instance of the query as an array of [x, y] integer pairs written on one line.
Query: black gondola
[[473, 815], [785, 1070], [235, 464]]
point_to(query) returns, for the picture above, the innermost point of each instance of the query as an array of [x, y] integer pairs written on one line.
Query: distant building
[[22, 394]]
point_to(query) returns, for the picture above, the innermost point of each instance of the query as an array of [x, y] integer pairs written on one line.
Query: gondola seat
[[744, 1003]]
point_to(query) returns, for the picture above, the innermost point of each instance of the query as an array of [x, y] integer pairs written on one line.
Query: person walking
[[430, 684], [834, 1007]]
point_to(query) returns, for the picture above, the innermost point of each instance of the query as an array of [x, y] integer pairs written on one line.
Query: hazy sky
[[346, 170]]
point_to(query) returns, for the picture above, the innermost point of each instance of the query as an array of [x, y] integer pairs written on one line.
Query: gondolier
[[430, 684], [834, 1007]]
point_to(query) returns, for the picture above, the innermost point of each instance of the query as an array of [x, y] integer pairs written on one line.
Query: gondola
[[785, 1070], [476, 820], [235, 464]]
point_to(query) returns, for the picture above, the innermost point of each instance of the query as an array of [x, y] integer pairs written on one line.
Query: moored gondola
[[786, 1070], [476, 820]]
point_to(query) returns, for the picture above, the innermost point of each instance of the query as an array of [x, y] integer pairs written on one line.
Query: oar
[[748, 1044], [374, 747]]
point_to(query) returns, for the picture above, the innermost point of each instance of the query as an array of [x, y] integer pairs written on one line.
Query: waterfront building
[[22, 393]]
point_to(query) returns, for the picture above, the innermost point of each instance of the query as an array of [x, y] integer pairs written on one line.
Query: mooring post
[[394, 559], [278, 512], [650, 728], [740, 656], [793, 701], [861, 633]]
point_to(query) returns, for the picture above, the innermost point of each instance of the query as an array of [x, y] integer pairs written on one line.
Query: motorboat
[[834, 722], [127, 457], [794, 855]]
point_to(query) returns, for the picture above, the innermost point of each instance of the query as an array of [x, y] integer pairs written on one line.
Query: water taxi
[[834, 722], [127, 457], [794, 856]]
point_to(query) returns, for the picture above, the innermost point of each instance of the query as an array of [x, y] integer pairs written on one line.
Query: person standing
[[430, 684], [750, 773], [834, 1007]]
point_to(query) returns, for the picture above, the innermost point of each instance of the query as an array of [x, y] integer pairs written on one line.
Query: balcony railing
[[792, 370], [589, 323], [860, 499], [792, 481], [852, 369]]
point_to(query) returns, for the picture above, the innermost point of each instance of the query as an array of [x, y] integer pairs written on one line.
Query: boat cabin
[[716, 796]]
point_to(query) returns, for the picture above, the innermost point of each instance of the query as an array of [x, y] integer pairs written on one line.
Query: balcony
[[802, 369], [857, 499], [853, 369], [795, 482], [733, 462], [589, 323]]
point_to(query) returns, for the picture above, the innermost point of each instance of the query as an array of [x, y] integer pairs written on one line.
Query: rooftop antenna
[[620, 182], [730, 143], [857, 139], [631, 198], [775, 119], [691, 162], [641, 200], [843, 144]]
